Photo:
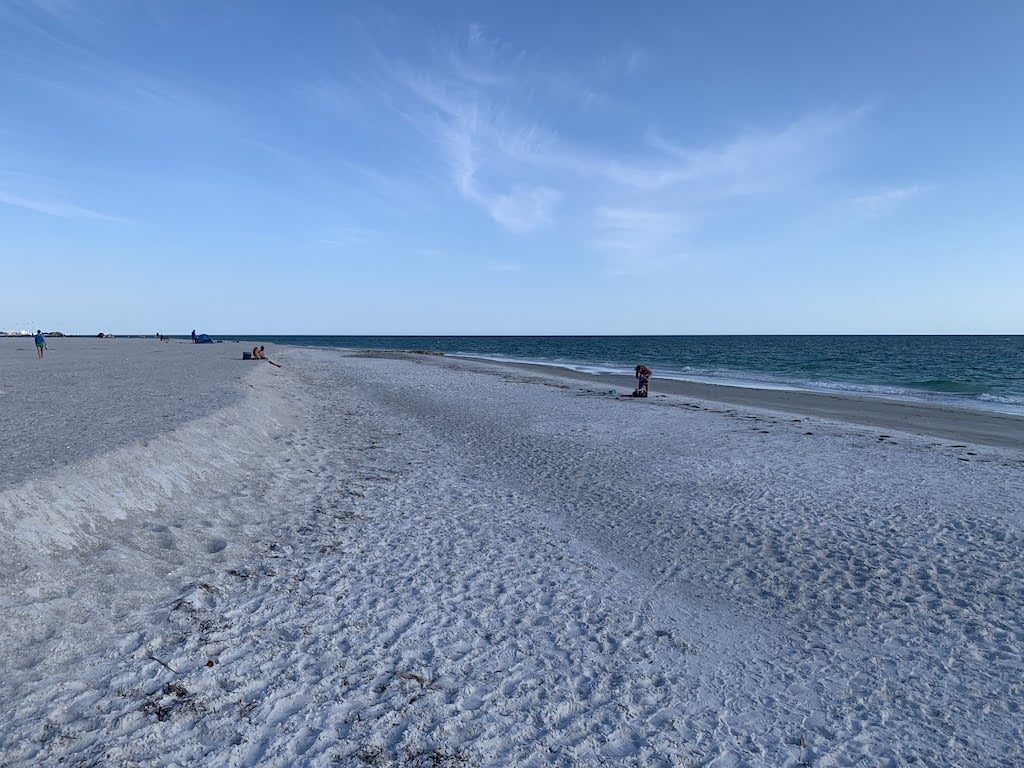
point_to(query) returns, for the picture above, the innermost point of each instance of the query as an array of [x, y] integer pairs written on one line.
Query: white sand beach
[[407, 560]]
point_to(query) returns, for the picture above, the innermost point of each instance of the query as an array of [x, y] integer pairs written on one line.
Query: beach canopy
[[203, 338]]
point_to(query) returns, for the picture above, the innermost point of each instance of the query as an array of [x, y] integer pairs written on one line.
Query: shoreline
[[948, 422], [986, 379], [993, 429]]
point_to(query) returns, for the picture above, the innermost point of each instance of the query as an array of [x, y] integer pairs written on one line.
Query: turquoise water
[[984, 372]]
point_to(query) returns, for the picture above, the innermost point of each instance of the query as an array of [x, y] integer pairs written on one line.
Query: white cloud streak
[[878, 203], [480, 110], [493, 160], [501, 266], [637, 239], [753, 163], [53, 207]]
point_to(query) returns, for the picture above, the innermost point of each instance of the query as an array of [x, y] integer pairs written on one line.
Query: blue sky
[[500, 167]]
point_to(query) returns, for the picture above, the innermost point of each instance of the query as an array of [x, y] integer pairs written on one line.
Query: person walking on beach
[[194, 336], [40, 343]]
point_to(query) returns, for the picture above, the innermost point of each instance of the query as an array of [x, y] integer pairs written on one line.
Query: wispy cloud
[[63, 25], [53, 207], [636, 59], [629, 59], [490, 161], [637, 240], [34, 14], [493, 158], [59, 9], [71, 52], [503, 266], [492, 114], [479, 60], [877, 203], [755, 162], [351, 236], [346, 98], [523, 208], [40, 194]]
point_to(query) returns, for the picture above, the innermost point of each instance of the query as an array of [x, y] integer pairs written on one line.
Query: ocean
[[982, 372]]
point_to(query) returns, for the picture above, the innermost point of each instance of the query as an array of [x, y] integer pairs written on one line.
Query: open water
[[985, 372]]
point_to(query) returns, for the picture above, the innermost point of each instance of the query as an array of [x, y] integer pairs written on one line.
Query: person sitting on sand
[[255, 353], [643, 381], [263, 355]]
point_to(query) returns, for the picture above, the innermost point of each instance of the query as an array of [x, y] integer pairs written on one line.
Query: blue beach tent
[[203, 338]]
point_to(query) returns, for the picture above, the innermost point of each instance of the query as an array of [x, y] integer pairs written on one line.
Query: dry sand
[[402, 560]]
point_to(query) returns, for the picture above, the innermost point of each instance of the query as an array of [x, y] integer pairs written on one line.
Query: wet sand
[[959, 424]]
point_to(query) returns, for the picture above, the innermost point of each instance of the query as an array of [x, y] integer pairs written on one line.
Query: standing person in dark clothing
[[643, 381]]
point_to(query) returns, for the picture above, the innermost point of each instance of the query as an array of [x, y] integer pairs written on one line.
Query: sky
[[511, 168]]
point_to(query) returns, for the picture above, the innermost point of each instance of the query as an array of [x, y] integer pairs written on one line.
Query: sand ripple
[[429, 562]]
